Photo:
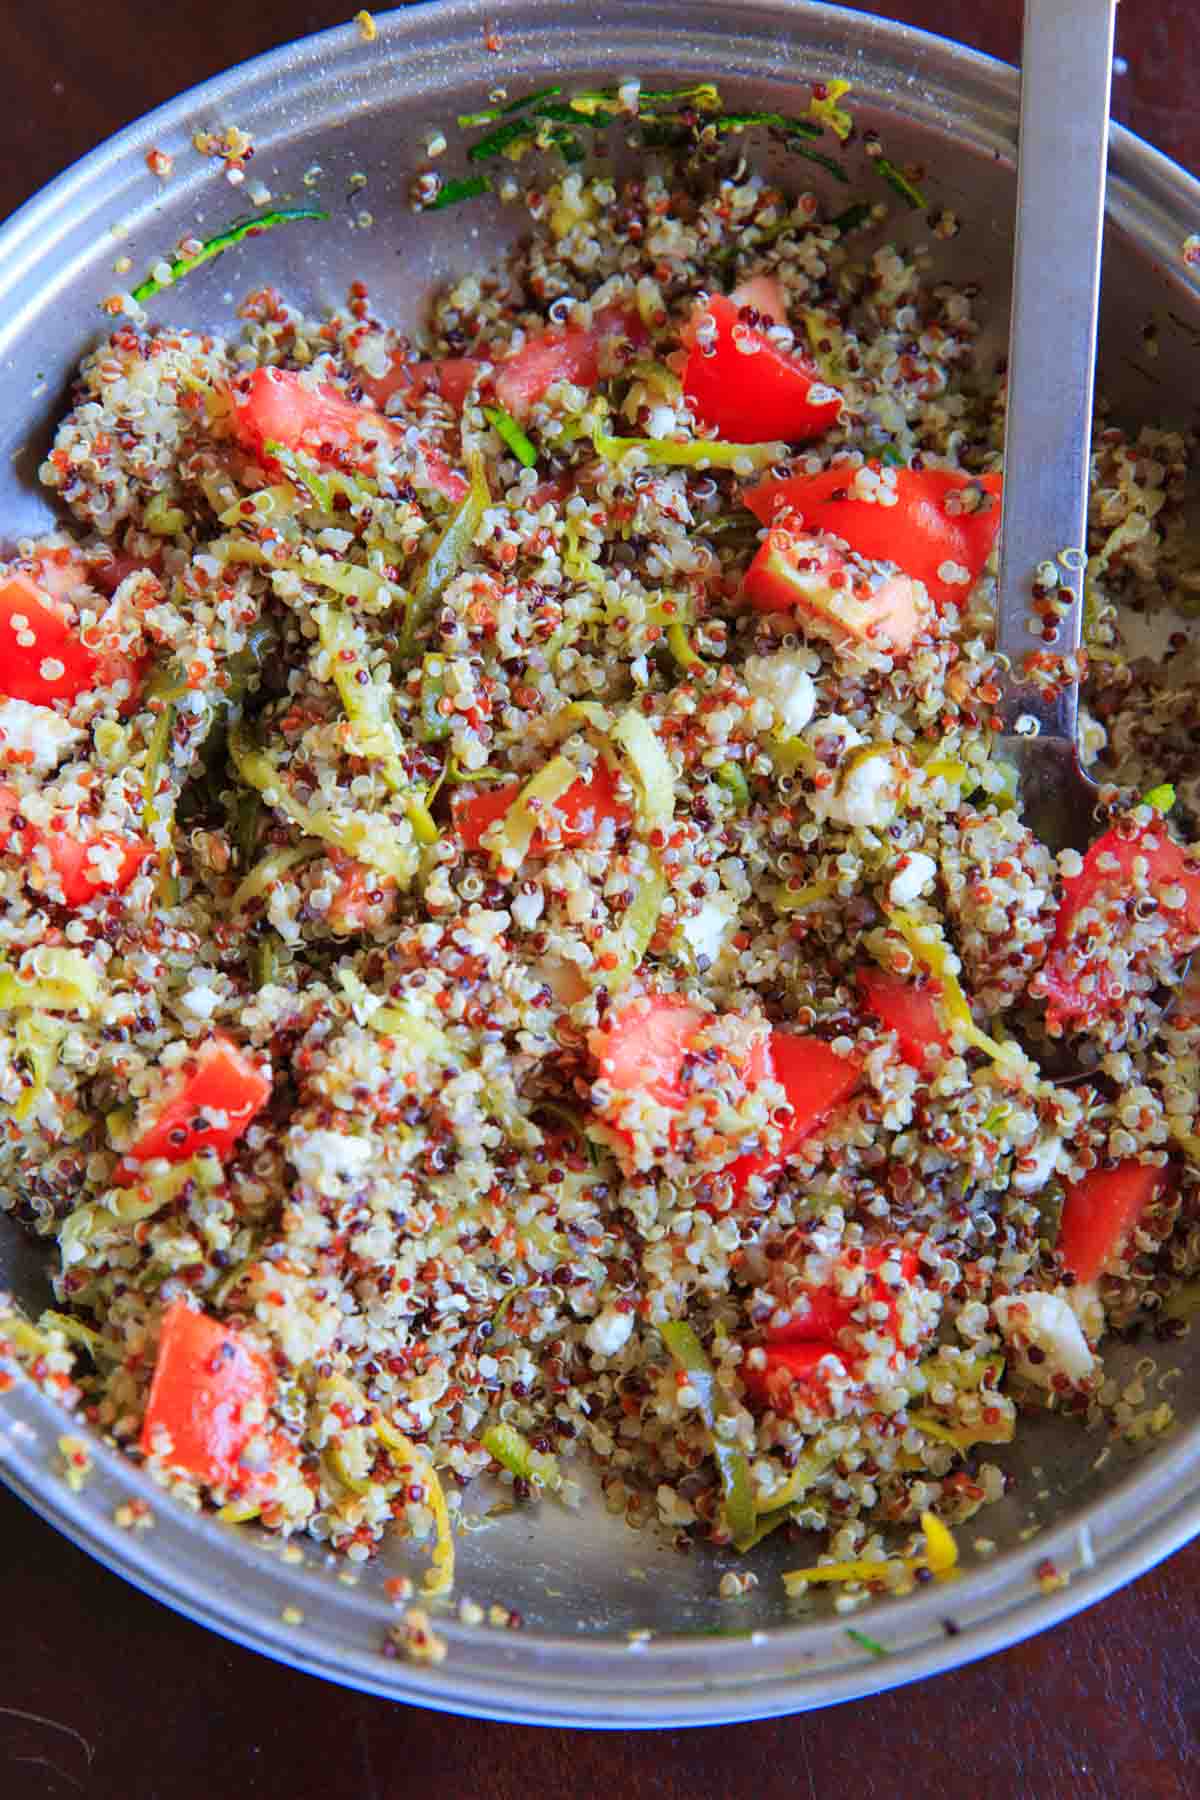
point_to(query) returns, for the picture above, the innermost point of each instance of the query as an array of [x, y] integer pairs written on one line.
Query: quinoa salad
[[519, 956]]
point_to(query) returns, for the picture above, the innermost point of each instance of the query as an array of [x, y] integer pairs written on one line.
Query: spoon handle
[[1066, 78]]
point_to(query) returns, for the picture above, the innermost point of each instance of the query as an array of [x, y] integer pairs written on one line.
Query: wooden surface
[[105, 1693]]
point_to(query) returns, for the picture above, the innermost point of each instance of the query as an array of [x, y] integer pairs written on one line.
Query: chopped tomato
[[788, 1366], [452, 377], [747, 390], [765, 294], [579, 812], [209, 1392], [823, 1313], [441, 476], [828, 1321], [567, 353], [363, 896], [220, 1092], [557, 489], [815, 1080], [1167, 866], [1100, 1214], [1107, 876], [796, 573], [42, 655], [85, 866], [274, 406], [917, 533], [641, 1048], [909, 1008], [109, 575]]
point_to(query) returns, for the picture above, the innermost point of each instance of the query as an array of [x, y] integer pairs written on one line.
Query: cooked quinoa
[[455, 1236]]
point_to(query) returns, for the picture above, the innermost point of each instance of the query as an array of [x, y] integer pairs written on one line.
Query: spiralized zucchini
[[513, 1451], [52, 979], [373, 841], [635, 735], [732, 1464]]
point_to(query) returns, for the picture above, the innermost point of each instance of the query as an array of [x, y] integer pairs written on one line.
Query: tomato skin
[[205, 1378], [917, 533], [352, 908], [452, 377], [274, 406], [579, 812], [74, 667], [808, 575], [563, 353], [815, 1080], [907, 1007], [827, 1326], [641, 1048], [222, 1079], [756, 397], [1168, 866], [1100, 1213], [787, 1367], [69, 854]]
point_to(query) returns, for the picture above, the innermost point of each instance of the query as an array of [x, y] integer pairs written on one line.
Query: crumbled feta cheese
[[704, 932], [326, 1158], [1035, 1164], [916, 873], [1085, 1302], [38, 731], [786, 684], [609, 1331], [202, 1001], [1048, 1325], [865, 791]]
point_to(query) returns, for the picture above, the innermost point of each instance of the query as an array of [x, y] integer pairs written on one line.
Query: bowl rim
[[545, 1678]]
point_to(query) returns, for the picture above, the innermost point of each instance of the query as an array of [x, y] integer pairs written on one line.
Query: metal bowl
[[617, 1629]]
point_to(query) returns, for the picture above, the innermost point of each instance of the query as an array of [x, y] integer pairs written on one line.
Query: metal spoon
[[1066, 78]]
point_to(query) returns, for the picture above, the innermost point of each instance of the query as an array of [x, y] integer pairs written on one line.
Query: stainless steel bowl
[[617, 1629]]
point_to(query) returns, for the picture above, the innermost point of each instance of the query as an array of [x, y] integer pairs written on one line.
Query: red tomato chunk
[[909, 1008], [206, 1380], [829, 1322], [792, 572], [579, 813], [737, 382], [917, 533], [1073, 988], [644, 1048], [453, 378], [219, 1095], [101, 864], [1100, 1214], [42, 655], [566, 353]]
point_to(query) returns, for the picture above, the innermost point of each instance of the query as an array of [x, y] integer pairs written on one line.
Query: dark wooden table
[[105, 1693]]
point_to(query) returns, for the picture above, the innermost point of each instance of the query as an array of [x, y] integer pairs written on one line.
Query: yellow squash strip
[[940, 1558], [270, 870], [370, 840], [932, 952], [699, 453], [527, 811], [52, 979], [440, 1579], [634, 734]]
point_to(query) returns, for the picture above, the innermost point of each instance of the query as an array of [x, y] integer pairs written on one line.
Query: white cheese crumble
[[38, 731], [917, 872], [784, 682], [1047, 1323], [609, 1332]]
